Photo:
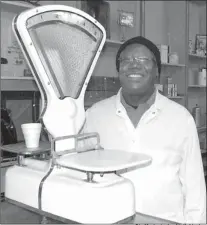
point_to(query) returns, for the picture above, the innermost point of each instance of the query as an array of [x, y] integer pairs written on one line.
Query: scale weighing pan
[[104, 161]]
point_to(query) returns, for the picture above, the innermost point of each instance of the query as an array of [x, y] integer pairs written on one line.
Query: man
[[140, 119]]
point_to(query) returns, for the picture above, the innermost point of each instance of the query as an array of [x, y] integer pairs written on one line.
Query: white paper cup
[[31, 132]]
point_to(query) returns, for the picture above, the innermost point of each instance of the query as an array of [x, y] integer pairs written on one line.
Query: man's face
[[137, 70]]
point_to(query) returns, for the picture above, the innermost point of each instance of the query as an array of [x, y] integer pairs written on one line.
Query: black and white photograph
[[201, 45], [103, 112]]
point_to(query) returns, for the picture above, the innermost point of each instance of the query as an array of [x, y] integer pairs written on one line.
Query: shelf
[[15, 6], [198, 2], [5, 162], [201, 129], [203, 151], [17, 78], [175, 97], [18, 84], [113, 42], [196, 86], [197, 56], [171, 64]]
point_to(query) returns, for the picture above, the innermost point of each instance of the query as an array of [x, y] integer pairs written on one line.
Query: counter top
[[21, 149], [11, 214], [12, 83], [146, 219]]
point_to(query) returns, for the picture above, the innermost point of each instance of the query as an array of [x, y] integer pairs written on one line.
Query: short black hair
[[142, 41]]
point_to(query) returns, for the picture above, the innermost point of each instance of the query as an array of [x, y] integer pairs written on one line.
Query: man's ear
[[157, 79], [157, 76], [117, 73]]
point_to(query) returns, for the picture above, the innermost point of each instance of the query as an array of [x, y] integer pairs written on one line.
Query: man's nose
[[136, 65]]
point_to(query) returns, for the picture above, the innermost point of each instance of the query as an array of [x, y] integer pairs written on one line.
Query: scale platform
[[104, 161]]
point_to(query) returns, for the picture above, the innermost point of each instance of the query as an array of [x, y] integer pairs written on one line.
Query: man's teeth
[[135, 75]]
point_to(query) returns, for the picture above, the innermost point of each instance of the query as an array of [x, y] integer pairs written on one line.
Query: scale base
[[66, 194]]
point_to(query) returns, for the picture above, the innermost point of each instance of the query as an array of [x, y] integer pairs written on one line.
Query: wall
[[155, 22], [175, 12], [202, 19], [106, 63], [164, 26]]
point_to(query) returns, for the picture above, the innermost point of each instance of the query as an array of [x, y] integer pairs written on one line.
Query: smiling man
[[140, 119], [138, 71]]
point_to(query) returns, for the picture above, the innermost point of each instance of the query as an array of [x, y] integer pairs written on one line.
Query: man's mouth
[[135, 75]]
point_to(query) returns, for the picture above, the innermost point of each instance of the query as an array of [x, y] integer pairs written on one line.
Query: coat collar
[[158, 105], [148, 103]]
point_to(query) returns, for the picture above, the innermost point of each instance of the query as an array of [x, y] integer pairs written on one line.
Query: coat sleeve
[[192, 177]]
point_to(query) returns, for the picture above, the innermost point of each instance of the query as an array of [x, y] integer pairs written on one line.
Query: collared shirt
[[136, 114], [173, 186]]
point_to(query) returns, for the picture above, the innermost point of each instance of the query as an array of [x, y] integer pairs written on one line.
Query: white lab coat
[[173, 186]]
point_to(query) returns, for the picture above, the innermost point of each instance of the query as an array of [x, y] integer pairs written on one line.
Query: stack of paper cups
[[31, 132]]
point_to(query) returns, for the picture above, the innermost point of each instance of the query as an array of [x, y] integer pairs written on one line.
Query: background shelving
[[203, 151], [196, 86], [175, 65], [113, 42], [16, 78], [197, 56], [196, 93], [176, 97], [201, 129], [18, 84]]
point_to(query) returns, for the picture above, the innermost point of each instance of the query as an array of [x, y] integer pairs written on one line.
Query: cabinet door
[[197, 57], [134, 8], [120, 32]]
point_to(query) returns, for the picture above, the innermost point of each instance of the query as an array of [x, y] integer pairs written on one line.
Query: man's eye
[[125, 61], [143, 60], [128, 60]]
